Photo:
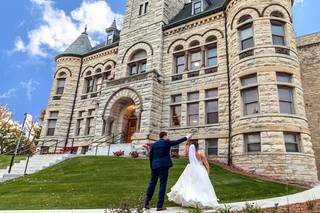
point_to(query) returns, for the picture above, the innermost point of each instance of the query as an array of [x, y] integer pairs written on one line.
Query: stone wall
[[265, 61], [309, 55]]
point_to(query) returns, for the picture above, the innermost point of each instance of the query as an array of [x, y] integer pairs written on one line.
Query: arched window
[[138, 62], [211, 39], [61, 80], [194, 43], [277, 14], [178, 48], [278, 29], [246, 32], [244, 18]]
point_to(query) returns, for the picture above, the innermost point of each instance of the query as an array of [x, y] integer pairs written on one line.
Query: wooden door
[[132, 126]]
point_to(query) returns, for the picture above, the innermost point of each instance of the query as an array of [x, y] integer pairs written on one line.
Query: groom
[[160, 162]]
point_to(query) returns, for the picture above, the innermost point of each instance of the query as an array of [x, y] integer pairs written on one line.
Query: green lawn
[[102, 182], [5, 160]]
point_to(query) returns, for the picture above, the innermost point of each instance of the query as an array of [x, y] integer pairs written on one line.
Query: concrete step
[[36, 163]]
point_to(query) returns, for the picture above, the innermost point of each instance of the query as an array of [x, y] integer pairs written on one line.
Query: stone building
[[309, 55], [227, 69]]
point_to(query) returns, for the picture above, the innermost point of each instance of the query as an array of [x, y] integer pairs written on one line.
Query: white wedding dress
[[194, 188]]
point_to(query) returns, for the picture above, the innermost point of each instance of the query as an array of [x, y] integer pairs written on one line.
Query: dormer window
[[197, 7], [110, 39]]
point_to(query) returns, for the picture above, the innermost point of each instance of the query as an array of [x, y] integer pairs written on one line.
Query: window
[[143, 9], [284, 77], [278, 35], [138, 62], [89, 124], [54, 114], [79, 127], [89, 85], [212, 115], [195, 60], [180, 64], [292, 141], [176, 110], [250, 96], [79, 123], [250, 101], [249, 80], [197, 7], [60, 87], [98, 83], [140, 9], [212, 147], [286, 99], [146, 7], [110, 38], [211, 56], [252, 142], [52, 121], [246, 37], [193, 109]]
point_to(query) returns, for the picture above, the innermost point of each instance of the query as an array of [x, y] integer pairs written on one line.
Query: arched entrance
[[122, 120], [122, 114]]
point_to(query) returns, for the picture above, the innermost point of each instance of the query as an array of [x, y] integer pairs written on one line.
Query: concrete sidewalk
[[312, 194]]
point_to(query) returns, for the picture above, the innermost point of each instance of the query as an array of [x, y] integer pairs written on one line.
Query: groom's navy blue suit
[[160, 162]]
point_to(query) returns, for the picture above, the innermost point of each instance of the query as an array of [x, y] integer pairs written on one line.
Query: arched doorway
[[122, 120]]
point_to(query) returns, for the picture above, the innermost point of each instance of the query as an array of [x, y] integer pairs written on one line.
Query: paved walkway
[[312, 194]]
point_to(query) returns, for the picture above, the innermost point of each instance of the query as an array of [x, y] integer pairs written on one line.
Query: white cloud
[[19, 45], [298, 1], [29, 87], [58, 29], [8, 94]]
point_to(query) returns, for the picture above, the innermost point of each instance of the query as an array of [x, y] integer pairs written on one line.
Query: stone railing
[[194, 73]]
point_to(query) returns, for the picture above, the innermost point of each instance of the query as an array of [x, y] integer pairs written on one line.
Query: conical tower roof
[[113, 27], [80, 46]]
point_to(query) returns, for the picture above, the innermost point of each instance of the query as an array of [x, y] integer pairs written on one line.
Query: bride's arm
[[205, 162]]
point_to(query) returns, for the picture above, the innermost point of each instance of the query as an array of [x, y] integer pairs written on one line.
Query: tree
[[11, 131]]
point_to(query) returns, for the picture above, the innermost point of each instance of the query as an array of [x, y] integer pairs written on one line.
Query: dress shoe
[[161, 209]]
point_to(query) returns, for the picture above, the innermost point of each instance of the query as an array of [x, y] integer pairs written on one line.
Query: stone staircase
[[104, 149], [36, 163]]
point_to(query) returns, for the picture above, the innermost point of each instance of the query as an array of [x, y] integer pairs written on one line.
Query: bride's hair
[[195, 143]]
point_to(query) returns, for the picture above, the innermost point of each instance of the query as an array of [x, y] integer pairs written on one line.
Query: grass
[[5, 160], [103, 182]]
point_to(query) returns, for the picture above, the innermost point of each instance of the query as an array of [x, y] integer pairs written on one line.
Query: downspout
[[229, 92], [74, 103]]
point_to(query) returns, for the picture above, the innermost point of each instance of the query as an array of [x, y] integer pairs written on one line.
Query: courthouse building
[[232, 71]]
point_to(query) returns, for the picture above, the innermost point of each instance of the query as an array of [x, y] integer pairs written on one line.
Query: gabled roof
[[185, 15], [80, 46]]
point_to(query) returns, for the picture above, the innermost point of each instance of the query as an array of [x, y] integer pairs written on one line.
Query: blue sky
[[34, 31]]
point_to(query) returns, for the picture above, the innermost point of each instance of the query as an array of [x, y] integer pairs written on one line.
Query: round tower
[[270, 133]]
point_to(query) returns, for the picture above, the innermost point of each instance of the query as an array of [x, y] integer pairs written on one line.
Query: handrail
[[109, 141]]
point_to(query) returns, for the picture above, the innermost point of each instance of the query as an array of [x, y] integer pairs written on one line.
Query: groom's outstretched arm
[[181, 140]]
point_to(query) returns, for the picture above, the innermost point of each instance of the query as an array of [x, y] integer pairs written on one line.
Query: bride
[[194, 188]]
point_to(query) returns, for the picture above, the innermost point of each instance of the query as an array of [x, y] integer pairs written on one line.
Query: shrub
[[118, 153], [225, 209], [252, 208], [145, 149], [175, 154], [134, 154]]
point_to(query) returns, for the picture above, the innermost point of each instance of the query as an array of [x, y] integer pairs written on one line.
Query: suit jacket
[[160, 153]]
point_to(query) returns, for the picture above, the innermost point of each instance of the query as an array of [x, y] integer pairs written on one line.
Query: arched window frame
[[246, 32], [61, 80], [137, 66], [278, 28]]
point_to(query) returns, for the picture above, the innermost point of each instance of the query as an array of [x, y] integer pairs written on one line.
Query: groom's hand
[[189, 135]]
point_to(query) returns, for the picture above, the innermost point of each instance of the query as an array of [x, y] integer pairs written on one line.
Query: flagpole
[[18, 143]]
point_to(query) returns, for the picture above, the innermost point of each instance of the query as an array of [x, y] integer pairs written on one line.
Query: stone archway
[[122, 114]]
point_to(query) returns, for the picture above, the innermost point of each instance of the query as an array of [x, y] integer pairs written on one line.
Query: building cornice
[[193, 24]]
